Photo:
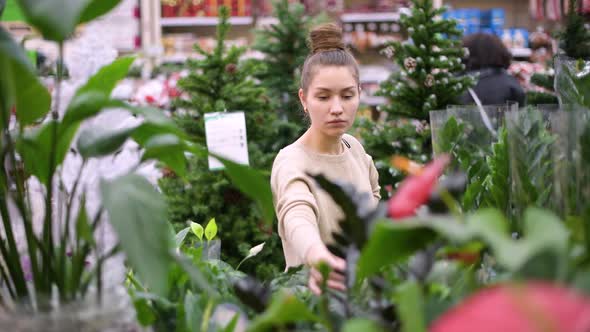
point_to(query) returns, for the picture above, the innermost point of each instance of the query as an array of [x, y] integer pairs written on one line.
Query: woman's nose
[[336, 107]]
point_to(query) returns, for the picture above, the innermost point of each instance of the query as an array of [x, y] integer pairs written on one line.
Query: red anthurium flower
[[531, 307], [416, 189]]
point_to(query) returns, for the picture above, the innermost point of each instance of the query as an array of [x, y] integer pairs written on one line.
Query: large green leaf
[[411, 307], [545, 239], [391, 242], [193, 312], [99, 141], [57, 19], [97, 8], [169, 149], [107, 77], [254, 184], [19, 85], [137, 212], [87, 104], [285, 308], [34, 147]]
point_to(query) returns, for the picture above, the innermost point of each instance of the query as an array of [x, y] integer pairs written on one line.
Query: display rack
[[203, 21]]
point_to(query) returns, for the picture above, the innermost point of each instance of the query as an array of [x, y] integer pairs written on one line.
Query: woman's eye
[[322, 98], [348, 97]]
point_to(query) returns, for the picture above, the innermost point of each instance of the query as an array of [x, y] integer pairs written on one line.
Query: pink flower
[[415, 190], [531, 307]]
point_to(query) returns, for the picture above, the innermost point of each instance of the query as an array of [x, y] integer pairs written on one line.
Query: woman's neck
[[321, 143]]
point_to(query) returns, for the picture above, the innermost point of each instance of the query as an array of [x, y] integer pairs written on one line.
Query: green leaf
[[83, 229], [169, 149], [197, 230], [231, 326], [254, 184], [285, 308], [391, 242], [211, 229], [19, 85], [57, 19], [138, 214], [193, 312], [100, 141], [34, 147], [87, 104], [411, 307], [97, 8], [362, 324], [180, 236], [107, 77], [144, 312]]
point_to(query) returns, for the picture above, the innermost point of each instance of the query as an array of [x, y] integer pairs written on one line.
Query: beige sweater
[[306, 214]]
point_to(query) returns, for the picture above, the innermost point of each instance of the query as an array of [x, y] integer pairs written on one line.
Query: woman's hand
[[319, 253]]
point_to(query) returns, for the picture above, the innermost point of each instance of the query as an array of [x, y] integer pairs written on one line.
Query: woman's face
[[331, 100]]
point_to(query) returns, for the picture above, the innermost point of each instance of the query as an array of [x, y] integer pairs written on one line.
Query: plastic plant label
[[226, 136]]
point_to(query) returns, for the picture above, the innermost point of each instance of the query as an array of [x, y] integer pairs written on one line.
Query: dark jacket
[[495, 86]]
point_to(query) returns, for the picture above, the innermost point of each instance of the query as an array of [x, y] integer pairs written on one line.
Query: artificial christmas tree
[[428, 63], [427, 80], [217, 83], [285, 48]]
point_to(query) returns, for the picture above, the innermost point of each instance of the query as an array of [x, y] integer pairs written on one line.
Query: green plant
[[37, 149], [428, 63], [532, 167], [222, 81], [486, 166], [284, 45], [382, 140]]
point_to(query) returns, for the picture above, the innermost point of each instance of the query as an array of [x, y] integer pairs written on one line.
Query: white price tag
[[226, 136]]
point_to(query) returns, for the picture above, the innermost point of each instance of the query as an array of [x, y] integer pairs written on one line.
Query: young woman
[[307, 216]]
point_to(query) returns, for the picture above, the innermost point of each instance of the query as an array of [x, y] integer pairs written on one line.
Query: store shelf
[[203, 21], [369, 17], [521, 52]]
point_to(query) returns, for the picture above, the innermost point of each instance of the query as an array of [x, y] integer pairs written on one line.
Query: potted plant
[[52, 280]]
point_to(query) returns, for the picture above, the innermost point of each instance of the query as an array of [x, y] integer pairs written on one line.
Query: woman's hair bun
[[326, 37]]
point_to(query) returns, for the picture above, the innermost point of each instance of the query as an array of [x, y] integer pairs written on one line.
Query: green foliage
[[284, 309], [19, 85], [138, 214], [486, 165], [57, 19], [411, 307], [219, 82], [384, 140], [284, 46], [540, 98], [33, 150], [573, 82], [530, 145], [544, 81], [428, 64], [575, 38]]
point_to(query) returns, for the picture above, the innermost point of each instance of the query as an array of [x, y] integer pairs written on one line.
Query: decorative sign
[[226, 136]]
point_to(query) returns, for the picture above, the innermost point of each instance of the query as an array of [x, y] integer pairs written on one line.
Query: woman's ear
[[302, 99]]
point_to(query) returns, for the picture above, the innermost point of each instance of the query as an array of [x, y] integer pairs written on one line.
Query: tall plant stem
[[48, 224]]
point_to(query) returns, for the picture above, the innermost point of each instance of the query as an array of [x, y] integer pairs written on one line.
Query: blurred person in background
[[488, 59]]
